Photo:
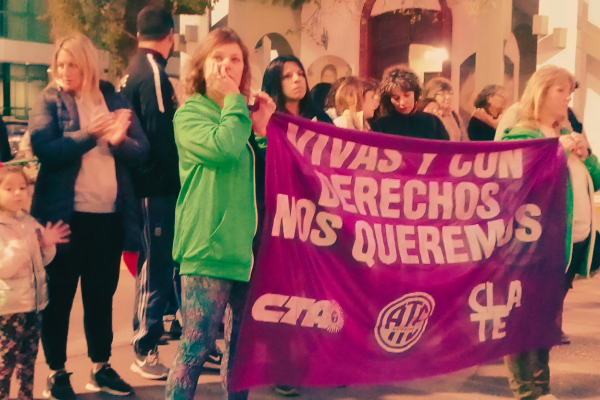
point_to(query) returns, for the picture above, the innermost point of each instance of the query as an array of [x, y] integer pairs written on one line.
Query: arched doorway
[[467, 92], [269, 47], [385, 38]]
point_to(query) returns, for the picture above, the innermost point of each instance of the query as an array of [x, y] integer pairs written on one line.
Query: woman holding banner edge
[[543, 108], [216, 216]]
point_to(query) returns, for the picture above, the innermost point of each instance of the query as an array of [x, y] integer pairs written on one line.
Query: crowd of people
[[130, 170]]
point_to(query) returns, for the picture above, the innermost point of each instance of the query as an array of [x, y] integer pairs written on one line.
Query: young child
[[25, 248]]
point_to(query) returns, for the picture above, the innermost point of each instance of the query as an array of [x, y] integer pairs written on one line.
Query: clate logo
[[402, 322], [293, 310]]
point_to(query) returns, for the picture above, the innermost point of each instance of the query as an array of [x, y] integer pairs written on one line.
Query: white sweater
[[96, 184]]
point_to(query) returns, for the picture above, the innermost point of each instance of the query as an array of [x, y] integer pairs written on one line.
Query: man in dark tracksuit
[[156, 184]]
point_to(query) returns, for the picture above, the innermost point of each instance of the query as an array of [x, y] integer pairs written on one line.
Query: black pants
[[94, 254], [155, 284]]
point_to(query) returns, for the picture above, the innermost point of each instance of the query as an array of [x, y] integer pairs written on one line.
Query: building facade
[[474, 43], [25, 54]]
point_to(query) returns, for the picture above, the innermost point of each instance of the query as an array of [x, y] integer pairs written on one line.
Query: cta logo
[[293, 310], [402, 322]]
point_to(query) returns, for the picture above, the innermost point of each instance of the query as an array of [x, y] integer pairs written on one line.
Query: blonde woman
[[85, 137], [543, 108], [440, 90], [349, 105]]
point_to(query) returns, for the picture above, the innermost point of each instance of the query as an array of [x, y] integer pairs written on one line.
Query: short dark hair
[[271, 85], [398, 77], [319, 94], [481, 99], [154, 23]]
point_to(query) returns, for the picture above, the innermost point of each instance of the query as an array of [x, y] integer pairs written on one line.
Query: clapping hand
[[54, 234], [122, 121], [265, 107], [101, 124]]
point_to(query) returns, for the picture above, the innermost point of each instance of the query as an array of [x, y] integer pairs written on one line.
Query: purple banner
[[387, 258]]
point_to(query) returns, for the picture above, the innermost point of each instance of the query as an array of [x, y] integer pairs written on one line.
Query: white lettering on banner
[[450, 244], [491, 312], [413, 199], [299, 217], [401, 323], [509, 163], [470, 222], [347, 154], [299, 311]]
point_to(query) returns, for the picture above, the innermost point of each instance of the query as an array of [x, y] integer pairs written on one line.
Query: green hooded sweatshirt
[[593, 168], [215, 218]]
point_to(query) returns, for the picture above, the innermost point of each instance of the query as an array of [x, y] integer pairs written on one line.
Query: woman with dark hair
[[216, 213], [489, 104], [400, 91], [319, 94], [285, 81]]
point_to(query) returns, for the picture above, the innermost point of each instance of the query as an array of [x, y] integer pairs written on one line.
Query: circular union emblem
[[402, 322], [337, 318]]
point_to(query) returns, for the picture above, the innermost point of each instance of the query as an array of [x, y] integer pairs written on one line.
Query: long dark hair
[[271, 85]]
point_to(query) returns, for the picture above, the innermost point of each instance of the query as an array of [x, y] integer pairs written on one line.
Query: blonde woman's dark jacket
[[59, 143]]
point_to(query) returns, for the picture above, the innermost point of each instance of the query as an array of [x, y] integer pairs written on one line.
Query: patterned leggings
[[19, 341], [203, 303]]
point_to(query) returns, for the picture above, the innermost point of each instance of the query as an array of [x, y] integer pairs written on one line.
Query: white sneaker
[[149, 367]]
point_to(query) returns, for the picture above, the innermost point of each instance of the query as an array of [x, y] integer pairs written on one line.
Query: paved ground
[[575, 368]]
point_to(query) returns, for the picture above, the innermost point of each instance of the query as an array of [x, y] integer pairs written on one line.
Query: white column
[[561, 14], [493, 29]]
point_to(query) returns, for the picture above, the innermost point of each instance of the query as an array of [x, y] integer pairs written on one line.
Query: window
[[21, 85], [19, 20]]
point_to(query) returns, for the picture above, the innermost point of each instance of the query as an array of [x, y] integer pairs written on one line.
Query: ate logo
[[489, 311], [294, 310], [402, 322]]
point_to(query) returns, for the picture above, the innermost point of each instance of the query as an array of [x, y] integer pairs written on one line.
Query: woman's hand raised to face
[[264, 110], [219, 84]]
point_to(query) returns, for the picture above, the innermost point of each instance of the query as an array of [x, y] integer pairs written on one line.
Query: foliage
[[103, 21], [110, 24], [188, 6]]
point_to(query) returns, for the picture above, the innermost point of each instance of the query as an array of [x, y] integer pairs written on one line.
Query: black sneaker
[[214, 360], [175, 329], [59, 386], [107, 380]]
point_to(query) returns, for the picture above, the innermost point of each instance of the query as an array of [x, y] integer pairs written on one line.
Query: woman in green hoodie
[[216, 216], [543, 108]]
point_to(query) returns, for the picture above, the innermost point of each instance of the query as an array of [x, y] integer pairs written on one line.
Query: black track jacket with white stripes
[[147, 87]]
